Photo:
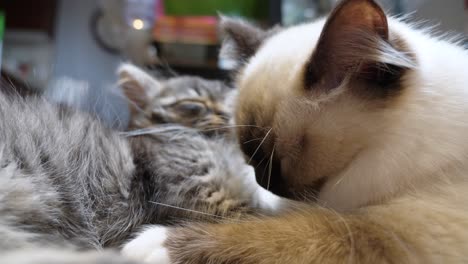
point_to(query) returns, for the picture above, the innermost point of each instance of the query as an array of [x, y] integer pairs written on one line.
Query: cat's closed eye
[[190, 108]]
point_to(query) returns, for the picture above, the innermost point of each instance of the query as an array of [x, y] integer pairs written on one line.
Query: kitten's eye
[[191, 108]]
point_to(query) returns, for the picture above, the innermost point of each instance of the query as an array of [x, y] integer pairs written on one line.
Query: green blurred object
[[254, 9], [2, 25]]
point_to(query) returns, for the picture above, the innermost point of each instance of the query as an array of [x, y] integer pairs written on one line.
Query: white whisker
[[252, 140], [164, 128], [231, 126], [261, 143], [188, 210], [158, 130], [270, 166]]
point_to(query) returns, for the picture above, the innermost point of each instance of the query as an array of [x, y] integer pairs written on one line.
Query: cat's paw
[[148, 246]]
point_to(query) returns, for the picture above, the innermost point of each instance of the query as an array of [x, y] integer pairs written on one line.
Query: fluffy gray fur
[[70, 184]]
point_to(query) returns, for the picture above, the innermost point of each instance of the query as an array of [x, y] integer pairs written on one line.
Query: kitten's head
[[189, 101], [311, 96]]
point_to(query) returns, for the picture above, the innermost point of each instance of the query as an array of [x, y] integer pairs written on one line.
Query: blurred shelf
[[205, 72], [30, 15], [192, 59], [208, 72], [190, 45]]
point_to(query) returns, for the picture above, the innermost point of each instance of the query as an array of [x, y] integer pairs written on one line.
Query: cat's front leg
[[318, 236]]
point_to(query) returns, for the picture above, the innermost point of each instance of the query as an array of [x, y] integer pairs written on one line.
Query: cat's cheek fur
[[148, 246]]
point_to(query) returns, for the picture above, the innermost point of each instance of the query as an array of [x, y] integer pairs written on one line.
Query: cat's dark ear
[[241, 39], [355, 43], [137, 85]]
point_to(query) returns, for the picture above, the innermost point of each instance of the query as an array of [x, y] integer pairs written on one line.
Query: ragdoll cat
[[205, 105], [68, 184], [367, 119]]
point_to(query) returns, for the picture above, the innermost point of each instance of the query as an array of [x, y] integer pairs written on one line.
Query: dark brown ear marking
[[349, 46]]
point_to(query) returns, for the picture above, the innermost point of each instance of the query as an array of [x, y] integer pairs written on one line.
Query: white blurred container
[[28, 55]]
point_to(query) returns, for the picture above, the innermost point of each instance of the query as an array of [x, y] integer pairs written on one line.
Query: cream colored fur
[[396, 169], [421, 139]]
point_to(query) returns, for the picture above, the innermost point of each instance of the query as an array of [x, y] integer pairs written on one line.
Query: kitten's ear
[[241, 39], [138, 86], [355, 43]]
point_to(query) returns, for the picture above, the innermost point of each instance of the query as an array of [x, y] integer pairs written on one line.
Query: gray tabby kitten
[[205, 105], [69, 184]]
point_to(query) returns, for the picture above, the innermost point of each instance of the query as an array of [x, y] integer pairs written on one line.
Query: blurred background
[[46, 42]]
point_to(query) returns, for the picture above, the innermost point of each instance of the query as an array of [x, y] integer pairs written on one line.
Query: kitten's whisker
[[260, 162], [270, 166], [261, 143], [189, 210], [231, 126], [163, 128], [157, 130], [252, 140], [264, 170]]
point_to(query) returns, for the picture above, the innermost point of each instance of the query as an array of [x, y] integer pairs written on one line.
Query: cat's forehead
[[286, 52], [279, 64]]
